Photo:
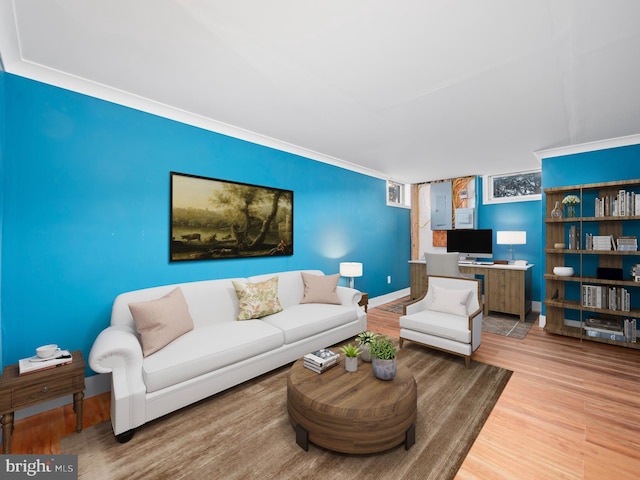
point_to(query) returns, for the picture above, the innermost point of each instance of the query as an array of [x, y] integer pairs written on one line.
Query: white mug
[[46, 351]]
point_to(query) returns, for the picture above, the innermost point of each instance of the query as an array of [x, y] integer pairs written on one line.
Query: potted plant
[[351, 353], [383, 358], [365, 339]]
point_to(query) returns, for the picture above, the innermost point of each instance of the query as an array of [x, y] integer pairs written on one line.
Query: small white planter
[[351, 364], [366, 353]]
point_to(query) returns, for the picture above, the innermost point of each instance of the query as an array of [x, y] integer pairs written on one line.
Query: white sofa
[[220, 351], [448, 317]]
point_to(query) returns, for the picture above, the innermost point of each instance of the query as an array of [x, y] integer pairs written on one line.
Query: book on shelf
[[36, 364], [621, 205], [609, 324], [609, 336], [601, 242], [627, 243], [630, 330], [611, 298], [622, 330]]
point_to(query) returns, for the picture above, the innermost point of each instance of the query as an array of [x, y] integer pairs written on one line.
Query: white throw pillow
[[320, 288], [159, 322], [450, 301]]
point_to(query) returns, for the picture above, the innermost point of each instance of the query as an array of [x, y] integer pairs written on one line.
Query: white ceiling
[[412, 90]]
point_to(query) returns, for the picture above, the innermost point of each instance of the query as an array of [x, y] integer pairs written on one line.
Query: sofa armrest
[[117, 350], [349, 296]]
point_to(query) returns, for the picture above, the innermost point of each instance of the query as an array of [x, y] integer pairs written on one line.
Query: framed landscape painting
[[214, 219]]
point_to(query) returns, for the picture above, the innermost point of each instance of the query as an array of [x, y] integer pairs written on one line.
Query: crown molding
[[588, 147], [34, 71]]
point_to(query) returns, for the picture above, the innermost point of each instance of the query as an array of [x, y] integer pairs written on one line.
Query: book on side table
[[321, 360], [36, 364]]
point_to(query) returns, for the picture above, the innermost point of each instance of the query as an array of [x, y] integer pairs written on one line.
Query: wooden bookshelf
[[565, 309]]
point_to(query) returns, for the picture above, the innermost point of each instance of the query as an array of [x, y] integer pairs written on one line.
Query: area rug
[[509, 325], [245, 432], [506, 325]]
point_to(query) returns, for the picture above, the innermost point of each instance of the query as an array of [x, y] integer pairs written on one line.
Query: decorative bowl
[[559, 245], [563, 271]]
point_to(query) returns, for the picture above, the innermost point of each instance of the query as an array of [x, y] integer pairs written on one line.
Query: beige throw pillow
[[450, 301], [320, 288], [161, 321], [256, 300]]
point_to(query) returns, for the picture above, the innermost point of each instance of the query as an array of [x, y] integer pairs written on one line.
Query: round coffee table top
[[352, 412]]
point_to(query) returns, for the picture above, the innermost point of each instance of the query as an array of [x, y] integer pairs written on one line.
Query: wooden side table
[[364, 301], [18, 391]]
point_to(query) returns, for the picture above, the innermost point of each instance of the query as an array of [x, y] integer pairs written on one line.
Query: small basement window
[[398, 194]]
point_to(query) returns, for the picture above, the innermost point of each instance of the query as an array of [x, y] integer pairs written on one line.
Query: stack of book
[[601, 242], [627, 243], [635, 272], [36, 364], [321, 360], [621, 330]]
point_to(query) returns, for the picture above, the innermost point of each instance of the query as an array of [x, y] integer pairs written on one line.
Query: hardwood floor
[[570, 411]]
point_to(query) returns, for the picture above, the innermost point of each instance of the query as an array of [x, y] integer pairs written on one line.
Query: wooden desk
[[20, 391], [507, 288]]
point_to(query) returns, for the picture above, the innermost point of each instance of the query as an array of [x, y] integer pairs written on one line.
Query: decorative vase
[[366, 352], [384, 369], [571, 211], [351, 364], [557, 211]]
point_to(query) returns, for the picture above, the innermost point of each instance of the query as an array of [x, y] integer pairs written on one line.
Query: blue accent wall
[[606, 165], [526, 216], [2, 143], [86, 191]]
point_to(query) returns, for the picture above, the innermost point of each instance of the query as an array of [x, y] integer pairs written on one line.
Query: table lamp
[[511, 238], [351, 270]]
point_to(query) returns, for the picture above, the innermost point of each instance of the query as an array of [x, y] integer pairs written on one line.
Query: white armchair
[[448, 317]]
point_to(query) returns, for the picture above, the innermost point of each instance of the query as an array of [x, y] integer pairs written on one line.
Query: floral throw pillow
[[257, 300]]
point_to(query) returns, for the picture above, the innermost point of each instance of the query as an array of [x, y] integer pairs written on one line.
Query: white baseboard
[[388, 297], [94, 385], [542, 321]]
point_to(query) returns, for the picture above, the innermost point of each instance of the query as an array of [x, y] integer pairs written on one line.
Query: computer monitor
[[471, 244]]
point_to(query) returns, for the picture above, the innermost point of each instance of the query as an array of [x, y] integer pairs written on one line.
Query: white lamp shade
[[511, 238], [351, 269]]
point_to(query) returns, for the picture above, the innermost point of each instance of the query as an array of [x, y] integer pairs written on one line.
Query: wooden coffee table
[[352, 412]]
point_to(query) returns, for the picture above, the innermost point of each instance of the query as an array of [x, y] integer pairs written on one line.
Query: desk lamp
[[511, 238]]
